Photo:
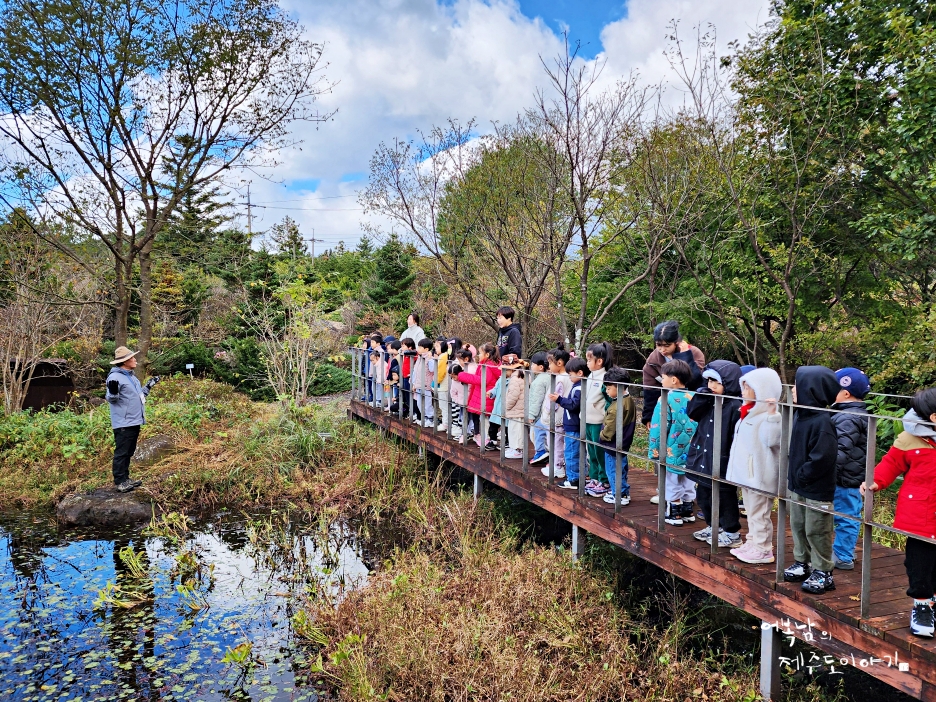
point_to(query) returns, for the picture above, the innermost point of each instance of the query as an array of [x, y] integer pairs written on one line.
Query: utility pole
[[249, 215], [312, 241]]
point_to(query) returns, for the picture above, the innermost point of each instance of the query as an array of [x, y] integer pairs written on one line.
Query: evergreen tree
[[192, 233], [288, 239], [393, 276]]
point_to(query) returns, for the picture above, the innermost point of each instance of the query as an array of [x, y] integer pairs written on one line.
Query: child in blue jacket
[[680, 429]]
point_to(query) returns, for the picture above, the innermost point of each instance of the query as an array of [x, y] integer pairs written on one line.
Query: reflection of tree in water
[[26, 540], [131, 632]]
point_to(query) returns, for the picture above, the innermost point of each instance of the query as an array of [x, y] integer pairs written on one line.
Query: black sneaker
[[819, 581], [128, 485], [688, 513], [673, 514], [796, 573], [491, 446], [921, 621]]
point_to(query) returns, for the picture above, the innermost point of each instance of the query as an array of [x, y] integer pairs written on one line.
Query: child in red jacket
[[914, 456]]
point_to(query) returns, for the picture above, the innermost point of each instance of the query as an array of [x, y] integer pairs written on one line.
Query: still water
[[225, 586]]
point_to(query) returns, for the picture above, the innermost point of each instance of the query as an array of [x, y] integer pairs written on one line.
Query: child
[[423, 378], [379, 372], [613, 386], [571, 420], [813, 450], [539, 386], [755, 460], [680, 490], [408, 352], [392, 386], [599, 358], [913, 455], [489, 370], [557, 359], [509, 339], [513, 409], [441, 356], [851, 432], [497, 419], [723, 379], [464, 362]]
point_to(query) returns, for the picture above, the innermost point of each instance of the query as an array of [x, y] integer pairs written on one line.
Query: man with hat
[[127, 399]]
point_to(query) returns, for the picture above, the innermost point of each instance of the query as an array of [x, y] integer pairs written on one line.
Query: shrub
[[328, 379]]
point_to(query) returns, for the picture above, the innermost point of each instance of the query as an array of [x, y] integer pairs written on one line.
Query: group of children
[[827, 449]]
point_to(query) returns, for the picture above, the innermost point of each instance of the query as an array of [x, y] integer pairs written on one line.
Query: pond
[[198, 611]]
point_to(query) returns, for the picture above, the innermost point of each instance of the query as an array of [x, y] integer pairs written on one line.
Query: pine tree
[[288, 239], [393, 276]]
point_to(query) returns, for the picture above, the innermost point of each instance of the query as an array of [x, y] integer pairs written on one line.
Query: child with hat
[[851, 429]]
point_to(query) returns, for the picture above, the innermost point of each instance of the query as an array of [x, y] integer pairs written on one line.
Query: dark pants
[[920, 562], [729, 516], [125, 442]]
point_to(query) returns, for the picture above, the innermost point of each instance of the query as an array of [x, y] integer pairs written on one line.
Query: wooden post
[[867, 516], [771, 643], [578, 541]]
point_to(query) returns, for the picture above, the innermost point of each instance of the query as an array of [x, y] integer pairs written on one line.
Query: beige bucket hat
[[122, 355]]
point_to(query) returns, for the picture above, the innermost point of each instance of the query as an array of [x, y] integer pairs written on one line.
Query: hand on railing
[[873, 487]]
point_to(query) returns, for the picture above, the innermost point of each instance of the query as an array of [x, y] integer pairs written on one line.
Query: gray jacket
[[126, 407]]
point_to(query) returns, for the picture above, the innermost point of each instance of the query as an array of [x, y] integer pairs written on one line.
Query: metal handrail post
[[661, 459], [482, 424], [526, 430], [618, 448], [786, 418], [715, 511], [552, 431], [353, 373], [583, 438], [867, 516]]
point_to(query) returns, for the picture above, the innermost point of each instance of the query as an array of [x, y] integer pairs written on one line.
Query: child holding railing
[[913, 455]]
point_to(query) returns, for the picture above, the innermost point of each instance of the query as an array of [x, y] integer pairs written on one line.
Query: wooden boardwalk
[[881, 645]]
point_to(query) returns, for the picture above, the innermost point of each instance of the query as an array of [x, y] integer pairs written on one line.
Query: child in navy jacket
[[571, 420]]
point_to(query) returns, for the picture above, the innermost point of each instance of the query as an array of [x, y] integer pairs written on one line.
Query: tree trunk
[[121, 302], [146, 308]]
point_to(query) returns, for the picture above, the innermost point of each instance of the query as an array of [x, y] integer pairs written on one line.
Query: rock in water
[[153, 449], [105, 507]]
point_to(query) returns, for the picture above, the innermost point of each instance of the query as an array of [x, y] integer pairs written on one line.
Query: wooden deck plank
[[749, 587]]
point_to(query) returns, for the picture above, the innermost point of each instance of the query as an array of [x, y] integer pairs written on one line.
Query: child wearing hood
[[813, 453], [723, 379], [754, 461], [913, 455]]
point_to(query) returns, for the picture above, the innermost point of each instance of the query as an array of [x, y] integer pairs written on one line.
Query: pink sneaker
[[752, 554]]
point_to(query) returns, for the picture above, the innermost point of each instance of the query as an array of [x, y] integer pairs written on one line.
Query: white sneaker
[[442, 427], [609, 498], [560, 471], [655, 500], [513, 453], [456, 432]]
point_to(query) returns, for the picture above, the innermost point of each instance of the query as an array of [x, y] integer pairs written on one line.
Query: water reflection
[[241, 581]]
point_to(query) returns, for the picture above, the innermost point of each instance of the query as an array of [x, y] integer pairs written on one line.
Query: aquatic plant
[[112, 595], [133, 561]]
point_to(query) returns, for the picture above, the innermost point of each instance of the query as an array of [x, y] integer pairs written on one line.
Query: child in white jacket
[[755, 461]]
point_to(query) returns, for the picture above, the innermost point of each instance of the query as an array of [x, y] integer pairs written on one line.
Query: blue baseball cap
[[747, 369], [853, 380]]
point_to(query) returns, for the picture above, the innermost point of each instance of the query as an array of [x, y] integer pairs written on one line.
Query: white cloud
[[404, 65]]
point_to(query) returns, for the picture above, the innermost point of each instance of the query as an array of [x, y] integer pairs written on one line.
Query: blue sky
[[401, 66], [585, 20]]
